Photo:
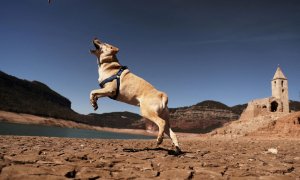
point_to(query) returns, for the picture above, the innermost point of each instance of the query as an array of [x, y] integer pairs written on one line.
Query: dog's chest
[[99, 78], [103, 75]]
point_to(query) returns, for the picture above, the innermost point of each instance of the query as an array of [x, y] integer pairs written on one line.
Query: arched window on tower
[[275, 83], [281, 83]]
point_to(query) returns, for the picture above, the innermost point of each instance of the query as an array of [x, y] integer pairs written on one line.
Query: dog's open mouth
[[96, 43]]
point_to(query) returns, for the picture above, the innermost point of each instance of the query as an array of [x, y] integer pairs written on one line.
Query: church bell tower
[[280, 89]]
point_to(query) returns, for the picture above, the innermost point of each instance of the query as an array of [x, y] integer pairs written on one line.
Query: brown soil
[[203, 158], [288, 125], [270, 124]]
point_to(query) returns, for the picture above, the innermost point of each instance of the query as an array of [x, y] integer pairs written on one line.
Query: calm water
[[38, 130]]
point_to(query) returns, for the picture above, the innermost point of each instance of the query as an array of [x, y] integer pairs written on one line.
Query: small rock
[[289, 161], [192, 156], [296, 158], [21, 159], [273, 150]]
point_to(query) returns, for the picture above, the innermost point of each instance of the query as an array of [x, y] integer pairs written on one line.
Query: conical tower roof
[[279, 74]]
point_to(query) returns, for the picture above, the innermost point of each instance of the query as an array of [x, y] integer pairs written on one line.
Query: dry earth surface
[[203, 158], [271, 124]]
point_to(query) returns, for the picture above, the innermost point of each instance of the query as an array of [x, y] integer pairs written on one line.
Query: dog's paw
[[178, 151], [159, 140], [95, 107], [94, 104]]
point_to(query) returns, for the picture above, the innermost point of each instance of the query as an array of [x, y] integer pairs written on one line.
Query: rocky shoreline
[[48, 121], [203, 158]]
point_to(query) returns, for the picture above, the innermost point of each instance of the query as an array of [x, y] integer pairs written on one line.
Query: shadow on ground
[[170, 152]]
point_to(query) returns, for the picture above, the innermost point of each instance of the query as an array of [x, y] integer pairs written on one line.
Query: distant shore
[[22, 118], [48, 121]]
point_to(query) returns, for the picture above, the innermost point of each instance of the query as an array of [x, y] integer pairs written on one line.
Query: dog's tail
[[164, 100]]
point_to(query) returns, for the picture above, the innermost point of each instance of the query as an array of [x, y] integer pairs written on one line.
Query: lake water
[[50, 131]]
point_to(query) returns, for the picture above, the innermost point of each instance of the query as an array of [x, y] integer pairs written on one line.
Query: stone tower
[[280, 90]]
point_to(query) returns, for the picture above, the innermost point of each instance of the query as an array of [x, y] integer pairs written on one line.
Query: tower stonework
[[280, 89]]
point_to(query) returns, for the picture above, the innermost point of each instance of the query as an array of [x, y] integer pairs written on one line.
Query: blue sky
[[193, 50]]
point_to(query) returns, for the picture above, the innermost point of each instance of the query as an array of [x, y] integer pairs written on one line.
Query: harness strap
[[113, 77]]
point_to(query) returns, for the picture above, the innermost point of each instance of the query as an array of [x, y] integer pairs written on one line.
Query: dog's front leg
[[98, 93]]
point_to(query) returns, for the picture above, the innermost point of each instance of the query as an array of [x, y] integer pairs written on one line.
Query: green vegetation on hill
[[213, 105], [210, 104], [238, 109]]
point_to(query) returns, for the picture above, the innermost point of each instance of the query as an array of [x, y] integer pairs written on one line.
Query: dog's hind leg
[[153, 116], [161, 127], [168, 130]]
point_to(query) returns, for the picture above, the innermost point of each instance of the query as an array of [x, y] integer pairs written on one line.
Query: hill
[[199, 118], [33, 97]]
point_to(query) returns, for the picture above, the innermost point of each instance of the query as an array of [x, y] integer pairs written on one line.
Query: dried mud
[[203, 158]]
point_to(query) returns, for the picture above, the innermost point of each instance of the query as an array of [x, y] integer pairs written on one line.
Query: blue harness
[[113, 77]]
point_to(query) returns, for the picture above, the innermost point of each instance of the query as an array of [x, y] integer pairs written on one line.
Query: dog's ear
[[93, 52], [96, 53]]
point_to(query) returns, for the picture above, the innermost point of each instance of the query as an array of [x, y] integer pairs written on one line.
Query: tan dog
[[132, 90]]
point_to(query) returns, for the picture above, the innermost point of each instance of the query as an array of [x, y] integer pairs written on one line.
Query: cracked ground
[[202, 158]]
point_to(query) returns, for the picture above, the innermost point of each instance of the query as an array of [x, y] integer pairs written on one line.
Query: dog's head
[[103, 49]]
